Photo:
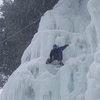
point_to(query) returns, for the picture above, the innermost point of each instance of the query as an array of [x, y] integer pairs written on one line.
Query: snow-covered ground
[[73, 22]]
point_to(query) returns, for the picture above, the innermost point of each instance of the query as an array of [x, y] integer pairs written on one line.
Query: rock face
[[68, 22]]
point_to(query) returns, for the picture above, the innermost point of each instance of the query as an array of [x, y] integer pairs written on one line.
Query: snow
[[73, 22], [0, 91], [1, 2]]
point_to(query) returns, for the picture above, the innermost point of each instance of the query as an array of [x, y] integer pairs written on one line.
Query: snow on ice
[[73, 22], [0, 91]]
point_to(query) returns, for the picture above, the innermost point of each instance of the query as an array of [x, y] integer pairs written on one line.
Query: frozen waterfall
[[75, 22]]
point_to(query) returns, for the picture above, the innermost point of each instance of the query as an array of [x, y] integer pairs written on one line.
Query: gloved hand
[[67, 45]]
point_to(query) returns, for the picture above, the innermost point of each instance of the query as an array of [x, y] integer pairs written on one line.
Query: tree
[[17, 15]]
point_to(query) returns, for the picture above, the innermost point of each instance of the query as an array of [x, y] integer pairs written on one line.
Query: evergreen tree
[[17, 15]]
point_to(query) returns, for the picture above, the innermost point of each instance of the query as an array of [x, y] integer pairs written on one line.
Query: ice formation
[[75, 22], [0, 91]]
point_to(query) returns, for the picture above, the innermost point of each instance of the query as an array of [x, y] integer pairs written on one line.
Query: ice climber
[[56, 54]]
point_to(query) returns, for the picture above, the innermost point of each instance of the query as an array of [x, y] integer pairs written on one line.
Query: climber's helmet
[[55, 46]]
